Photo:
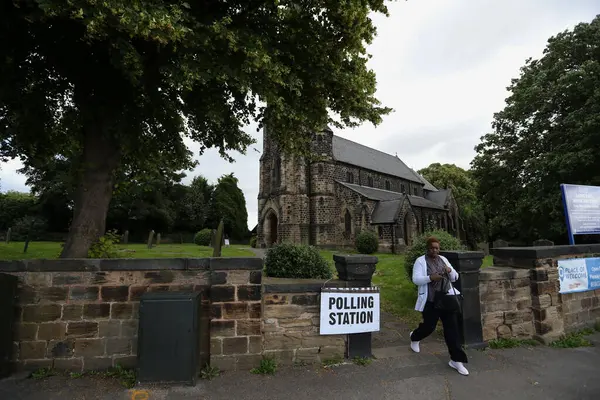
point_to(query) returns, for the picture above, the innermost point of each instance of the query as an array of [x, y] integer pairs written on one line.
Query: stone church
[[350, 188]]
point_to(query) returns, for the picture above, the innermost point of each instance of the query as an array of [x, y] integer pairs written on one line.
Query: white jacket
[[421, 279]]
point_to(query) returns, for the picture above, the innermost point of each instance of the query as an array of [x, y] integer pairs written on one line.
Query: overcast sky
[[442, 65]]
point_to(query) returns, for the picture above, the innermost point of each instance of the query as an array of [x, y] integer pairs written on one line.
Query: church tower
[[283, 201], [323, 203]]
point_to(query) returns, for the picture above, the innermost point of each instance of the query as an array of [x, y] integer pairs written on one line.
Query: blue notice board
[[582, 209], [579, 274]]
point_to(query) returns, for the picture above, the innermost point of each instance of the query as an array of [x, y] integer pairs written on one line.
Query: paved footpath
[[524, 373]]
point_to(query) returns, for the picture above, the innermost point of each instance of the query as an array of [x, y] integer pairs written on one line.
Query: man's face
[[434, 249]]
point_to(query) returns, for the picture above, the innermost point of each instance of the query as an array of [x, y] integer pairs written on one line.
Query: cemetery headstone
[[8, 236], [126, 237], [150, 238], [158, 239], [218, 240]]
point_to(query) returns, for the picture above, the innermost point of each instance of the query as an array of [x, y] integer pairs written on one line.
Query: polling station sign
[[579, 274], [349, 310]]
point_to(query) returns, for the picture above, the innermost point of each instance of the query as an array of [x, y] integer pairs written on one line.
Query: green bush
[[105, 246], [447, 242], [253, 240], [367, 242], [203, 237], [297, 262]]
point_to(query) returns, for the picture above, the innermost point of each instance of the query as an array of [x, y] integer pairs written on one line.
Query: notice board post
[[354, 308]]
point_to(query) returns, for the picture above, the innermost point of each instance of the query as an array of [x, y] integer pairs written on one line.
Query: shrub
[[203, 237], [296, 261], [447, 242], [29, 226], [105, 246], [367, 242], [253, 241]]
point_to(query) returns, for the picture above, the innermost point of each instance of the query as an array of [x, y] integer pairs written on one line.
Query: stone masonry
[[520, 294], [83, 314], [290, 324]]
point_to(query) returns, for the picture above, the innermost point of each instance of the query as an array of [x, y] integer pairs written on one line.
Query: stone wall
[[524, 286], [290, 323], [505, 303], [83, 314]]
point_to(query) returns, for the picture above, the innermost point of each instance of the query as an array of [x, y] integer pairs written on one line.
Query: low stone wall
[[291, 323], [524, 286], [83, 314], [505, 303]]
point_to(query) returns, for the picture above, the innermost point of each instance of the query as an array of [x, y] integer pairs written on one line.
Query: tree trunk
[[94, 192]]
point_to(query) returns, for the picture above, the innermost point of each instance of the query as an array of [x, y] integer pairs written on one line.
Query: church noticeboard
[[582, 209], [346, 311], [579, 274]]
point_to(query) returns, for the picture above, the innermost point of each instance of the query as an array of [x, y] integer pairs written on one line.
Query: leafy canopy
[[547, 134]]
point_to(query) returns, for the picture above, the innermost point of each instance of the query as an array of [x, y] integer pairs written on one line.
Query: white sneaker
[[414, 345], [459, 367]]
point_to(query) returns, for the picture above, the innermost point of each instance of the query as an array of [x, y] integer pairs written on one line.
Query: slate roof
[[439, 197], [372, 193], [385, 212], [353, 153], [386, 195], [428, 186]]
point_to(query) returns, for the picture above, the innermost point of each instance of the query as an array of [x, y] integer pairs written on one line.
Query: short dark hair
[[431, 240]]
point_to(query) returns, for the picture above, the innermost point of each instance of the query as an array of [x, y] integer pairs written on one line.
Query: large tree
[[547, 134], [122, 82], [228, 203], [464, 190]]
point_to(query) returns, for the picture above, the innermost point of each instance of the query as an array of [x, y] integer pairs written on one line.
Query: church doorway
[[270, 228], [407, 238]]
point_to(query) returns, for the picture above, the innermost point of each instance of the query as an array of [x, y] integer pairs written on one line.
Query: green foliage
[[419, 248], [203, 237], [115, 85], [547, 134], [14, 206], [366, 242], [464, 191], [29, 226], [268, 366], [106, 246], [296, 261], [362, 361], [253, 241], [229, 204], [509, 343], [209, 372], [572, 340]]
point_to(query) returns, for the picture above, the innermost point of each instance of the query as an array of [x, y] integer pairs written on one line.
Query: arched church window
[[370, 181], [348, 222], [388, 186], [276, 173], [402, 188]]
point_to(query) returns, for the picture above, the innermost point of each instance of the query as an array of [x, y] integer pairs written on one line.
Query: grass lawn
[[14, 251]]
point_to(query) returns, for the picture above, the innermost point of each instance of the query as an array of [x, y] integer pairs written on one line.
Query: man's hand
[[435, 277], [448, 269]]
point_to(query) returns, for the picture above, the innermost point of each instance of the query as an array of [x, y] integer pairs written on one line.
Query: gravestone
[[543, 242], [158, 239], [500, 243], [126, 237], [150, 238], [8, 236]]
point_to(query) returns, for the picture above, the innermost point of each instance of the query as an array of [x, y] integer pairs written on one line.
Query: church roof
[[386, 212], [428, 186], [353, 153], [439, 197], [386, 195]]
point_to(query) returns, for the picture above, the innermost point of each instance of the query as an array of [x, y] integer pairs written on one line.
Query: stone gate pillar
[[468, 263]]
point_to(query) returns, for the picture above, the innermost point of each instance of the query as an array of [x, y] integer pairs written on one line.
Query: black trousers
[[451, 333]]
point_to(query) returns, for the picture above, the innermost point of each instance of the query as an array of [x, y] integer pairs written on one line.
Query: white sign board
[[346, 311], [579, 274]]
